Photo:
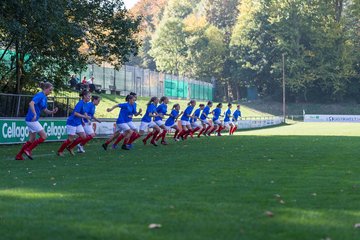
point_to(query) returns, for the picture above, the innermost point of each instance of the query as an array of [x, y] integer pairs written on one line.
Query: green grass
[[208, 188]]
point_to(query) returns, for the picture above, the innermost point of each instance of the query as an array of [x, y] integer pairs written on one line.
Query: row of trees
[[240, 43], [53, 38]]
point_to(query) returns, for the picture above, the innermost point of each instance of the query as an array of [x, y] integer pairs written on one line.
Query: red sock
[[26, 145], [207, 129], [181, 134], [126, 141], [186, 134], [35, 143], [148, 136], [202, 130], [163, 135], [234, 129], [76, 142], [64, 145], [212, 130], [86, 140], [219, 129], [121, 137], [134, 136], [154, 136], [176, 133]]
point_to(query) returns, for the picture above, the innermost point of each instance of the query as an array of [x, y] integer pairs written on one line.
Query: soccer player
[[204, 119], [90, 109], [236, 115], [171, 121], [74, 125], [193, 121], [216, 120], [135, 135], [185, 120], [147, 120], [161, 111], [228, 124], [125, 116], [36, 105]]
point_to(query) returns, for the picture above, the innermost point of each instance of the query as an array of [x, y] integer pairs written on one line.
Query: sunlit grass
[[208, 188]]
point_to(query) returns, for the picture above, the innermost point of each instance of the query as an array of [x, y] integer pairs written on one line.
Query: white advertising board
[[331, 118], [259, 123]]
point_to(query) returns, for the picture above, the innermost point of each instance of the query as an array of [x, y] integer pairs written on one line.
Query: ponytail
[[175, 105], [45, 85], [229, 105], [191, 102], [162, 99], [84, 93], [219, 105], [151, 100], [209, 103], [94, 98]]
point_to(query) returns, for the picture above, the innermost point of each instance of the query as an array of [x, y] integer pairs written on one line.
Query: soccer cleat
[[71, 151], [104, 146], [125, 147], [154, 143], [176, 139], [60, 154], [219, 134], [164, 143], [114, 146], [28, 154], [130, 146], [19, 157], [80, 149]]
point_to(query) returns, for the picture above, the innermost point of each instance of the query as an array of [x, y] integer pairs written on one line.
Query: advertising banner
[[331, 118], [16, 131], [259, 123]]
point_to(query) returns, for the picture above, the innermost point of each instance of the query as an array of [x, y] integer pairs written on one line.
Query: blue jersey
[[149, 110], [227, 114], [196, 115], [171, 120], [133, 110], [187, 112], [40, 101], [216, 114], [74, 120], [161, 109], [236, 115], [126, 111], [206, 111], [90, 110]]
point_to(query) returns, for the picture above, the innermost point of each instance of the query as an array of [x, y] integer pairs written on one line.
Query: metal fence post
[[18, 106]]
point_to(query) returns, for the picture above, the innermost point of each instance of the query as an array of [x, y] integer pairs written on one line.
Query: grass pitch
[[253, 185]]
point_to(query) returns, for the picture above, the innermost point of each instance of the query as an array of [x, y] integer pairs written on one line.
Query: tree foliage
[[53, 38]]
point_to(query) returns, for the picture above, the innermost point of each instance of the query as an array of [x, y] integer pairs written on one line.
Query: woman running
[[147, 120], [74, 125], [193, 121], [90, 109], [228, 124], [236, 115], [125, 116], [36, 105], [171, 121], [216, 120], [204, 119], [185, 120], [161, 111], [135, 135]]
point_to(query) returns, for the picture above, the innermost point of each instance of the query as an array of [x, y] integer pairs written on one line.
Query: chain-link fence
[[147, 83], [16, 105]]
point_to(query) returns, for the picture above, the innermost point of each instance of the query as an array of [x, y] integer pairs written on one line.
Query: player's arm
[[77, 114], [138, 113], [96, 120], [112, 108], [32, 108], [47, 111]]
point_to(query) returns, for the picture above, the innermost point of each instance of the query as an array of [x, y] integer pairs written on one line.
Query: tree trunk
[[17, 62], [238, 97]]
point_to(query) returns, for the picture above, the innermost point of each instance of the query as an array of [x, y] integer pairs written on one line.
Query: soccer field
[[299, 181]]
